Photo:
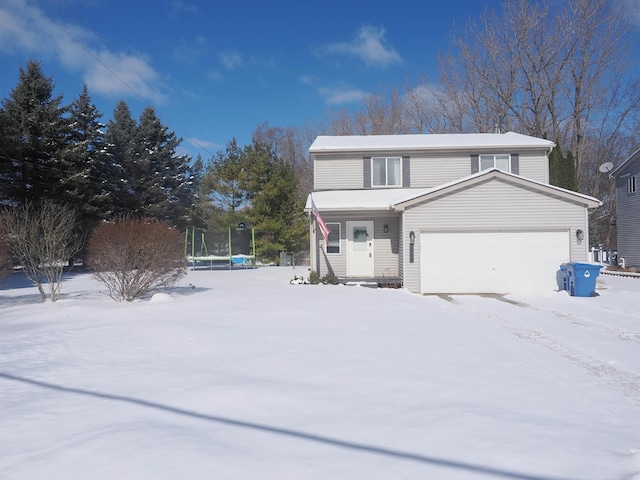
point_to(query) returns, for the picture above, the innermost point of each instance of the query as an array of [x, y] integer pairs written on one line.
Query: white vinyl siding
[[338, 173], [386, 245], [628, 217], [428, 169], [492, 206], [534, 166], [438, 168]]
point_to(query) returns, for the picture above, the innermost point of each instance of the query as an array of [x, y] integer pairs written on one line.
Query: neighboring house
[[627, 178], [453, 213]]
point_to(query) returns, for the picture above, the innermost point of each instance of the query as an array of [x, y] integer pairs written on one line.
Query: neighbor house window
[[501, 162], [631, 184], [333, 245], [386, 171]]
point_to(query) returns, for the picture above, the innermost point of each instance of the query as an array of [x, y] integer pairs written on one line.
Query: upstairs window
[[502, 162], [631, 184], [386, 171]]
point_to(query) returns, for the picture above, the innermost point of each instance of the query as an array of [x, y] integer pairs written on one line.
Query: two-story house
[[451, 213], [627, 177]]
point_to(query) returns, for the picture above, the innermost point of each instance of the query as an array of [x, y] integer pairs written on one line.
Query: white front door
[[360, 249]]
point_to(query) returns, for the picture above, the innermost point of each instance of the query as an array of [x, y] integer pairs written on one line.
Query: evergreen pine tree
[[226, 178], [6, 160], [120, 157], [277, 206], [164, 183], [570, 173], [86, 183], [562, 169], [202, 207], [33, 133], [555, 159]]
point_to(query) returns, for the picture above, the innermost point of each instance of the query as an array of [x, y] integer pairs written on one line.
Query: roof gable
[[624, 165], [492, 174]]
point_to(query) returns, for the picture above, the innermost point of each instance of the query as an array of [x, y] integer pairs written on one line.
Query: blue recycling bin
[[582, 279], [565, 277]]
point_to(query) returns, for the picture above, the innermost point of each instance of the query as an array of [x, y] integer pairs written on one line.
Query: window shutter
[[366, 168], [515, 163], [406, 172], [475, 163]]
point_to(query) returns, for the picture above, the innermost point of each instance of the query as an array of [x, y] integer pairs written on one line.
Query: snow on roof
[[372, 199], [425, 142]]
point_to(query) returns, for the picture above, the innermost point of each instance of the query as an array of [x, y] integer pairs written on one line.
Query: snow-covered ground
[[248, 377]]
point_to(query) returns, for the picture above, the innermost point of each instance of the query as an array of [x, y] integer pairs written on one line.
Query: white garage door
[[491, 262]]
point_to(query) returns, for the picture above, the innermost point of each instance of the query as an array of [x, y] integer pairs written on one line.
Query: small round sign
[[241, 226]]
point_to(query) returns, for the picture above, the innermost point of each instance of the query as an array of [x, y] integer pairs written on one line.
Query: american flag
[[321, 225]]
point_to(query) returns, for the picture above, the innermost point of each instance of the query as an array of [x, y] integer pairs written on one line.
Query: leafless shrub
[[42, 238], [132, 257], [5, 254]]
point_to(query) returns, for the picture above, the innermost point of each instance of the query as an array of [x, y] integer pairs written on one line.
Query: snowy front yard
[[248, 377]]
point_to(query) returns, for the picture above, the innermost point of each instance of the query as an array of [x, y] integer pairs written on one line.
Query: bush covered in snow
[[132, 257]]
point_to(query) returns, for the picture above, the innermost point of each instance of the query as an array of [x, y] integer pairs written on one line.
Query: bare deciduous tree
[[291, 145], [43, 239], [555, 70], [132, 257]]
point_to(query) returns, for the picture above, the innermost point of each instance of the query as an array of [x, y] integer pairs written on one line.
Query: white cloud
[[231, 59], [190, 52], [341, 94], [215, 75], [27, 29], [337, 93], [178, 6], [309, 79], [370, 46], [125, 74]]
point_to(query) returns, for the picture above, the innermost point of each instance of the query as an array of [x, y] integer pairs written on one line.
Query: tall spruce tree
[[562, 169], [34, 132], [226, 178], [120, 155], [164, 183], [87, 172], [276, 204], [202, 208]]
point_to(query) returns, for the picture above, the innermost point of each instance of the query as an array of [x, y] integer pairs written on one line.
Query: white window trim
[[386, 173], [331, 226], [494, 155], [632, 186]]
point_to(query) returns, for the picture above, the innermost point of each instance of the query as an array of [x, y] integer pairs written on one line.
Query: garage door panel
[[491, 262]]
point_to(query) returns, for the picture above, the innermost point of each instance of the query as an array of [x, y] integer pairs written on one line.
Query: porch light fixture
[[386, 228], [579, 235], [412, 238]]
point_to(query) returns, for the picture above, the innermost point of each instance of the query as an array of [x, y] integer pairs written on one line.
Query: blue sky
[[216, 69]]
